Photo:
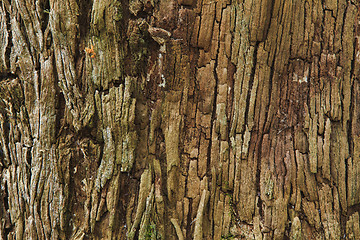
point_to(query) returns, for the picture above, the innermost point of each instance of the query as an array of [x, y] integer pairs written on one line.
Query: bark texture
[[179, 119]]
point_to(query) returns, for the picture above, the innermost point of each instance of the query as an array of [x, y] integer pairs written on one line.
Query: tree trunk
[[179, 119]]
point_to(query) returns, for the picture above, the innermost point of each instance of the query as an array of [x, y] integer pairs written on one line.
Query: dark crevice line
[[4, 76], [343, 24], [350, 120], [322, 29], [251, 83], [305, 18], [257, 176], [213, 116], [6, 216], [352, 97], [266, 117], [189, 220], [9, 43], [199, 26]]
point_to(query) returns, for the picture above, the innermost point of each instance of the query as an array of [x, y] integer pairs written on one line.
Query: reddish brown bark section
[[188, 119]]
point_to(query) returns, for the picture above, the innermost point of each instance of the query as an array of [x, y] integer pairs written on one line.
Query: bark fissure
[[168, 119]]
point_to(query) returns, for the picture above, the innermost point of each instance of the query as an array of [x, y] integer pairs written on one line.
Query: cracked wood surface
[[187, 119]]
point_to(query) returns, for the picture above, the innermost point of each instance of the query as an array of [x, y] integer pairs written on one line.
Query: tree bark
[[179, 119]]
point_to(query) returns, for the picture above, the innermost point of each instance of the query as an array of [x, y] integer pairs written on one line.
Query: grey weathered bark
[[188, 119]]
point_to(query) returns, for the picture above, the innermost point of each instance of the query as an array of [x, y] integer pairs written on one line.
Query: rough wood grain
[[188, 119]]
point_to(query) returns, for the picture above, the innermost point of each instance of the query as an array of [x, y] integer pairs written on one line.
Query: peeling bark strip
[[187, 119]]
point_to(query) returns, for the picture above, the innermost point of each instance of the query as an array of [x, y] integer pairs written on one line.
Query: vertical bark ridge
[[179, 119]]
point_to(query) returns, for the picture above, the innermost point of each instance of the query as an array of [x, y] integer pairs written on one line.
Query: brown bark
[[187, 119]]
